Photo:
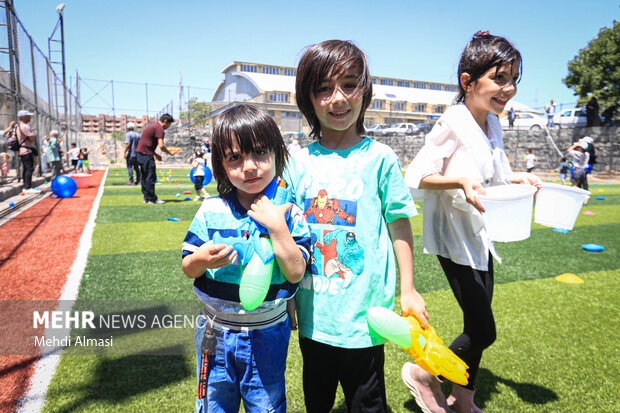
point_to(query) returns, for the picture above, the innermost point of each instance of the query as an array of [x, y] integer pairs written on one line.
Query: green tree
[[197, 112], [596, 69]]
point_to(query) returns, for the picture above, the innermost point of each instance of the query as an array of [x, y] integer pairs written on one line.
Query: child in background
[[199, 163], [250, 347], [356, 202], [564, 168], [74, 153], [580, 163], [529, 160], [5, 159], [463, 154], [84, 160]]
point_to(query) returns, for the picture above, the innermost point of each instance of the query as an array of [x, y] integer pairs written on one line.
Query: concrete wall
[[606, 140]]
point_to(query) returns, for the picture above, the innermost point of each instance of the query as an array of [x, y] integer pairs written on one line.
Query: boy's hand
[[291, 306], [215, 256], [269, 215], [412, 304]]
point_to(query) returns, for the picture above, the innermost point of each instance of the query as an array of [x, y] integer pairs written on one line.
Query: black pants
[[473, 290], [359, 371], [132, 164], [149, 175], [28, 169]]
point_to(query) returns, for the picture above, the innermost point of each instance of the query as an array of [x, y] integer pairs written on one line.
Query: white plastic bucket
[[508, 215], [558, 206], [82, 180]]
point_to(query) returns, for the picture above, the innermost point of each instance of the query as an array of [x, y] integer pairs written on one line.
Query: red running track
[[37, 250]]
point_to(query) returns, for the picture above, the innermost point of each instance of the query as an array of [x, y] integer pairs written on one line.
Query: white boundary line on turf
[[34, 399]]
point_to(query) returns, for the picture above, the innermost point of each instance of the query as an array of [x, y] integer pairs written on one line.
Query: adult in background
[[592, 112], [26, 138], [131, 143], [512, 115], [152, 137], [550, 113], [608, 115], [53, 153], [5, 133]]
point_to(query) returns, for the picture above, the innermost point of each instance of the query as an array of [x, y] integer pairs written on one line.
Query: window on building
[[387, 82], [440, 109], [290, 72], [419, 85], [374, 80], [420, 107], [278, 97], [403, 83], [399, 105], [249, 68], [378, 104], [435, 86], [271, 70], [450, 89], [295, 115]]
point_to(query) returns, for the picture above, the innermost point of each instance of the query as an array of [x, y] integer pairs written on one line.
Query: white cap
[[584, 145], [587, 139], [130, 125], [23, 113]]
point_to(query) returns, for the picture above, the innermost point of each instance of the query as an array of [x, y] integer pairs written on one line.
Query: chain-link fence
[[29, 80]]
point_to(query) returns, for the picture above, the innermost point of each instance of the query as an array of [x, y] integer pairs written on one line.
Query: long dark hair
[[331, 58], [482, 53], [252, 129]]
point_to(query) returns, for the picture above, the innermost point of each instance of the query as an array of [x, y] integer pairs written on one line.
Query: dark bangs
[[250, 128], [330, 59], [482, 53]]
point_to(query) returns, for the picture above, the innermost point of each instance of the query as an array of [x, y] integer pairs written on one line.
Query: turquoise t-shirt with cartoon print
[[348, 197]]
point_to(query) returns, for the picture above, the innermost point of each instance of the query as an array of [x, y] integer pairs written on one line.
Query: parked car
[[376, 129], [571, 118], [401, 129], [526, 121], [425, 127]]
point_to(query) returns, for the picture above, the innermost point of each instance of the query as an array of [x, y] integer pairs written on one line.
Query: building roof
[[268, 83], [282, 83]]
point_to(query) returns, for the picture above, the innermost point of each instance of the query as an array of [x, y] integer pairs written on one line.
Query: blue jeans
[[550, 121], [248, 366]]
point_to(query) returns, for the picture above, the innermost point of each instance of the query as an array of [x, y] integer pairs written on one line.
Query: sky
[[134, 42]]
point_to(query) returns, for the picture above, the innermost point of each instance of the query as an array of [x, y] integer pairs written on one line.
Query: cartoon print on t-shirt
[[324, 210], [342, 255]]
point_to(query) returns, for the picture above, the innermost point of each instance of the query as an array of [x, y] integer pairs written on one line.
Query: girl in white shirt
[[463, 154]]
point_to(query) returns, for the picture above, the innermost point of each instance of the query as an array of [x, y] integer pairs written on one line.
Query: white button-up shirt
[[458, 147]]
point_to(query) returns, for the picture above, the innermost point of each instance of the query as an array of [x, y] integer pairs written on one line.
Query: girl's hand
[[215, 256], [412, 304], [269, 215], [526, 178], [472, 190]]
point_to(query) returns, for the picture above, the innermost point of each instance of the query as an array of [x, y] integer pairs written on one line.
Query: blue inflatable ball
[[191, 176], [208, 176], [11, 204], [64, 186]]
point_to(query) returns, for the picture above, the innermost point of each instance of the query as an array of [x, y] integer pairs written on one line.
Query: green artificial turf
[[556, 349]]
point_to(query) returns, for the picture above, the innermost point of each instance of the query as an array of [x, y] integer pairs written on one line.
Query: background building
[[109, 124], [273, 88]]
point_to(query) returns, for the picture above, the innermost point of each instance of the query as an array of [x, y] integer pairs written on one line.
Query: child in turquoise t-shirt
[[354, 198]]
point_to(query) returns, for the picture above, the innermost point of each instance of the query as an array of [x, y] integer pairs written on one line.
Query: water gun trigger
[[239, 244]]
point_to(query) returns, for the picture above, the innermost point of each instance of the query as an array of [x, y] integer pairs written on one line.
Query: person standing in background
[[592, 112], [550, 113], [131, 143], [26, 139], [53, 153], [152, 137], [511, 118]]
